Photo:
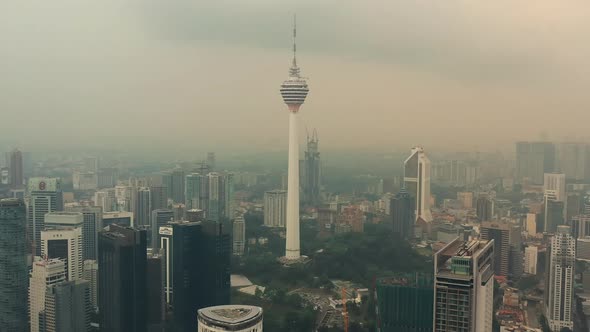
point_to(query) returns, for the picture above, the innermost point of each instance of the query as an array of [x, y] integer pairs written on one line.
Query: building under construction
[[405, 303]]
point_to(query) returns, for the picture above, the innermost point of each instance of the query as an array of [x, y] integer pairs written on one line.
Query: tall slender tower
[[294, 90]]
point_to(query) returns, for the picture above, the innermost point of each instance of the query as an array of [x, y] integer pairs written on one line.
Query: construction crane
[[344, 310]]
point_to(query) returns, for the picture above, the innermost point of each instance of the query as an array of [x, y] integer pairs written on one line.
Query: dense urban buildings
[[235, 318], [533, 160], [464, 282], [14, 273], [92, 217], [417, 182], [122, 283], [574, 160], [311, 172], [160, 217], [275, 208], [405, 302], [559, 290], [294, 90], [45, 196]]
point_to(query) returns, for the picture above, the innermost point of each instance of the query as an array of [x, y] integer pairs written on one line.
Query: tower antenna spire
[[294, 40]]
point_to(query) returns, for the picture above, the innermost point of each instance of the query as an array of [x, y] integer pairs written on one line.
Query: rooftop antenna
[[294, 71]]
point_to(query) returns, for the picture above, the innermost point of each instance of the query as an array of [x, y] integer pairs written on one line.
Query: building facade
[[45, 273], [64, 243], [45, 196], [311, 172], [402, 214], [559, 290], [464, 282], [530, 259], [16, 169], [14, 273], [275, 208], [507, 243], [239, 236], [68, 307], [92, 223]]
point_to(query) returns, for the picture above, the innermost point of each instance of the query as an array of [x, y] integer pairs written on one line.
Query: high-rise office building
[[106, 200], [533, 160], [159, 218], [67, 307], [464, 287], [124, 219], [17, 177], [156, 305], [404, 302], [275, 208], [530, 259], [580, 226], [556, 183], [553, 211], [189, 286], [92, 223], [159, 197], [143, 207], [107, 177], [234, 318], [90, 274], [64, 243], [583, 249], [45, 196], [311, 172], [417, 182], [574, 160], [484, 207], [174, 181], [122, 283], [45, 273], [239, 236], [402, 214], [507, 243], [559, 289], [14, 273], [293, 90], [196, 191]]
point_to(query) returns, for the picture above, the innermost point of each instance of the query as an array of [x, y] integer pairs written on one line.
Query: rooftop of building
[[63, 213], [230, 314], [408, 280], [6, 202]]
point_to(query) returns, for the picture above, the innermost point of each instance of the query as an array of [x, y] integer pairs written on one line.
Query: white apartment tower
[[417, 182], [559, 290], [239, 236], [275, 208], [45, 273]]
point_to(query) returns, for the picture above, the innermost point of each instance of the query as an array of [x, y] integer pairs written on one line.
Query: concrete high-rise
[[417, 182], [195, 191], [402, 214], [239, 236], [45, 196], [553, 211], [533, 160], [484, 207], [530, 259], [90, 274], [574, 160], [14, 273], [311, 171], [143, 207], [464, 281], [507, 251], [275, 208], [556, 183], [159, 218], [16, 175], [45, 273], [159, 197], [122, 283], [174, 181], [294, 91], [234, 318], [188, 286], [64, 243], [92, 217], [559, 289]]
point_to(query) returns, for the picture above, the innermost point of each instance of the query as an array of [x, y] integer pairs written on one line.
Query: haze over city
[[203, 74]]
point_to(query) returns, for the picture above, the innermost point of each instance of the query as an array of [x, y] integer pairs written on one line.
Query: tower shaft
[[292, 248]]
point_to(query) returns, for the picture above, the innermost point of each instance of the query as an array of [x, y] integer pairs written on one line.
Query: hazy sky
[[474, 74]]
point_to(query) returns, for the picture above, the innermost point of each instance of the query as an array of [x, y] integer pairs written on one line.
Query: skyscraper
[[553, 211], [530, 259], [192, 191], [45, 273], [464, 286], [144, 207], [220, 196], [14, 280], [311, 171], [574, 160], [64, 243], [92, 216], [159, 197], [294, 90], [402, 214], [90, 274], [507, 251], [159, 218], [275, 208], [174, 181], [484, 207], [239, 236], [17, 178], [417, 182], [45, 196], [533, 159], [67, 307], [189, 286], [122, 283], [559, 290], [556, 183]]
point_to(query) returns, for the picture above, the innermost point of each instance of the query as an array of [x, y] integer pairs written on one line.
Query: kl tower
[[294, 90]]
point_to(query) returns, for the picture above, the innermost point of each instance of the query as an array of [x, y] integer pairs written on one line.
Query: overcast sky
[[206, 73]]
